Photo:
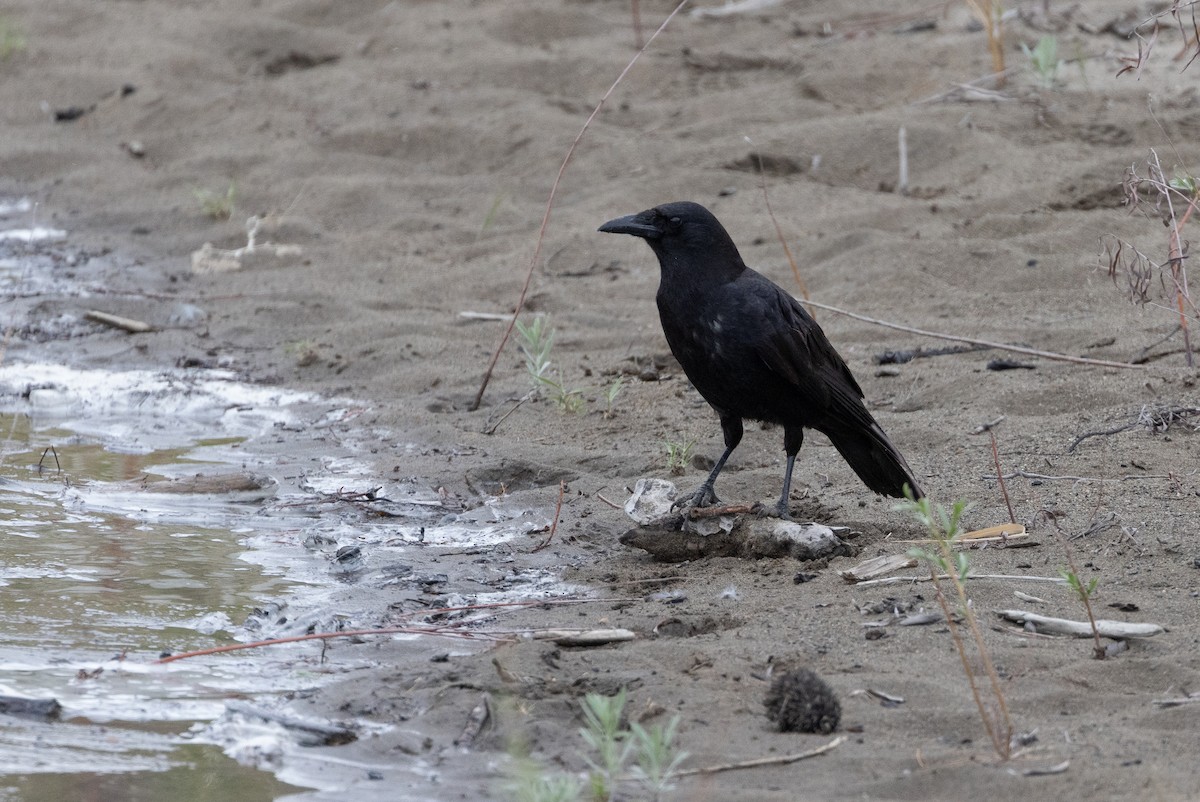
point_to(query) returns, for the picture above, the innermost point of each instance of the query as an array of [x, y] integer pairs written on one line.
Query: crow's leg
[[705, 495], [792, 439]]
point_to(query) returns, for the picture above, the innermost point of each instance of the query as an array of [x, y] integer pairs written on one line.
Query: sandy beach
[[403, 153]]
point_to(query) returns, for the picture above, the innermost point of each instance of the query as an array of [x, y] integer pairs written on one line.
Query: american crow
[[753, 352]]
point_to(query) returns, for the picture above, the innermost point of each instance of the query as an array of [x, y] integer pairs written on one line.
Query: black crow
[[753, 352]]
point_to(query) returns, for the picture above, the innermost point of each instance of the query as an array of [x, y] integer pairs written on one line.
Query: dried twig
[[1045, 477], [696, 513], [52, 451], [1155, 418], [562, 489], [491, 429], [762, 177], [764, 761], [1000, 479], [1079, 360], [989, 425], [612, 504]]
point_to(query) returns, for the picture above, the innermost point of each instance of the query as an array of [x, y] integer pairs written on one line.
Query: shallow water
[[101, 572], [105, 565], [92, 570]]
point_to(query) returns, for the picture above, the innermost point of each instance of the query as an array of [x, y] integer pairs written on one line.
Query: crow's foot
[[777, 510], [703, 497]]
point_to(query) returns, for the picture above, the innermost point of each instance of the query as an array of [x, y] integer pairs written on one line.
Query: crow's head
[[671, 223], [685, 236]]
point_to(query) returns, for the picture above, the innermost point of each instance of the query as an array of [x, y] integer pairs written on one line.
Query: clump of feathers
[[800, 701]]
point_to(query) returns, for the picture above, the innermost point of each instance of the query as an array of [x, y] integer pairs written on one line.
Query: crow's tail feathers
[[873, 457]]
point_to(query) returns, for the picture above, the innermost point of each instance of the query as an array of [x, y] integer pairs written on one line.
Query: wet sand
[[407, 149]]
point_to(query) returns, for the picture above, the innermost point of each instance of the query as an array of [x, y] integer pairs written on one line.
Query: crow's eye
[[674, 223]]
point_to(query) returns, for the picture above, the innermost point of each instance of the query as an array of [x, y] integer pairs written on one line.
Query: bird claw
[[777, 510], [703, 497]]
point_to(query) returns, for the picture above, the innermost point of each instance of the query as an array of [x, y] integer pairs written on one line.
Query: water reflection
[[82, 584]]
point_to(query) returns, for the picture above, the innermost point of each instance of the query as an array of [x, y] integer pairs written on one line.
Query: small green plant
[[610, 395], [489, 219], [531, 784], [612, 746], [11, 39], [567, 399], [305, 352], [214, 204], [945, 563], [537, 338], [608, 740], [657, 756], [1044, 60], [679, 454], [1083, 592], [1185, 183]]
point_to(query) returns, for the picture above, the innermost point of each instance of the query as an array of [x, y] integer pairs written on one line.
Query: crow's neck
[[703, 269]]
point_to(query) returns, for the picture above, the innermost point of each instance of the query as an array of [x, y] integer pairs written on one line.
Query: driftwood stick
[[117, 322], [897, 580], [1082, 629]]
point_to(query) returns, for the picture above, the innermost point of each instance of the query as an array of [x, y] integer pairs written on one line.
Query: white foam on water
[[134, 411]]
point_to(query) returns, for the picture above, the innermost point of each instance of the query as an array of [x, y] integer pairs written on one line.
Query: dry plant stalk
[[762, 177], [1191, 40], [1000, 477], [944, 528], [1083, 593], [995, 717], [1139, 270], [562, 489], [990, 14]]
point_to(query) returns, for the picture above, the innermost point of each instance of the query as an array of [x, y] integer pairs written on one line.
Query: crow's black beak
[[634, 224]]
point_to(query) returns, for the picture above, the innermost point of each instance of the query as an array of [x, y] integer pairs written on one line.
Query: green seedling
[[11, 39], [533, 785], [679, 454], [610, 395], [1185, 183], [1044, 60], [536, 340], [489, 219], [612, 748], [1084, 592], [214, 204], [657, 758], [609, 742]]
